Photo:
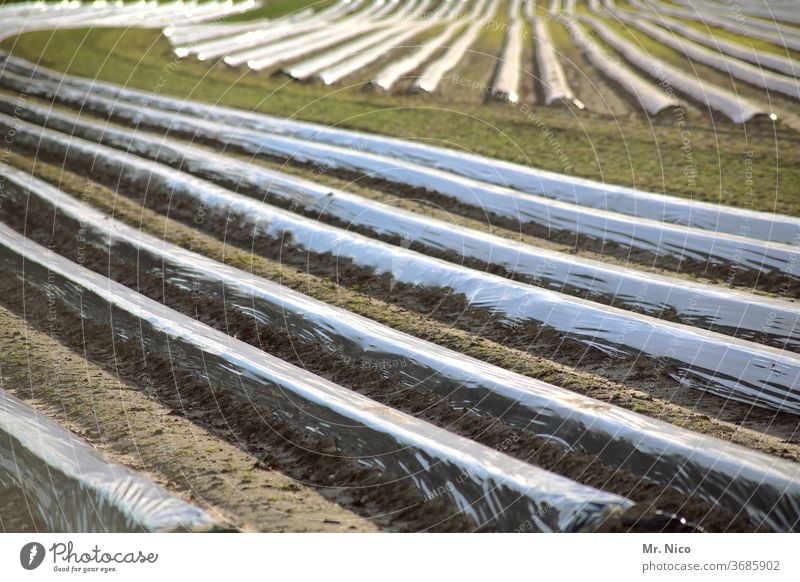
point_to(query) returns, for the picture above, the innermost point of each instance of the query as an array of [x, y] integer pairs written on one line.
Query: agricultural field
[[408, 265]]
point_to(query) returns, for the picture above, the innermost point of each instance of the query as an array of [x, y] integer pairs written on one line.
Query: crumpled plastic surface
[[741, 51], [54, 15], [646, 235], [402, 67], [396, 26], [554, 81], [732, 368], [68, 487], [783, 35], [766, 488], [747, 316], [735, 107], [260, 32], [506, 84], [431, 76], [589, 193], [485, 484], [273, 53], [651, 97]]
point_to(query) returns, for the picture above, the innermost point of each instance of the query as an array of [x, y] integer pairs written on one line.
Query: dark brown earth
[[247, 459]]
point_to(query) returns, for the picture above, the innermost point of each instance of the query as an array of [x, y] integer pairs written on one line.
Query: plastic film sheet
[[589, 193], [401, 35], [506, 83], [394, 27], [194, 34], [270, 54], [484, 483], [655, 237], [753, 74], [298, 34], [554, 81], [388, 76], [773, 12], [431, 76], [652, 99], [743, 315], [142, 15], [766, 488], [277, 29], [736, 108], [770, 31], [68, 487], [779, 63], [726, 366]]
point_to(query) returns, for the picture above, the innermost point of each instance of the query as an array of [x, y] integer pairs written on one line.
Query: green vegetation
[[630, 150]]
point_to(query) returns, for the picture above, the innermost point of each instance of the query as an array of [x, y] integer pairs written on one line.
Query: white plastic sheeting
[[177, 35], [485, 484], [655, 237], [652, 99], [785, 36], [387, 77], [506, 83], [402, 34], [528, 9], [737, 69], [298, 46], [722, 365], [243, 44], [215, 47], [757, 57], [743, 315], [711, 469], [589, 193], [553, 80], [736, 108], [401, 26], [54, 16], [69, 487], [430, 78], [774, 12]]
